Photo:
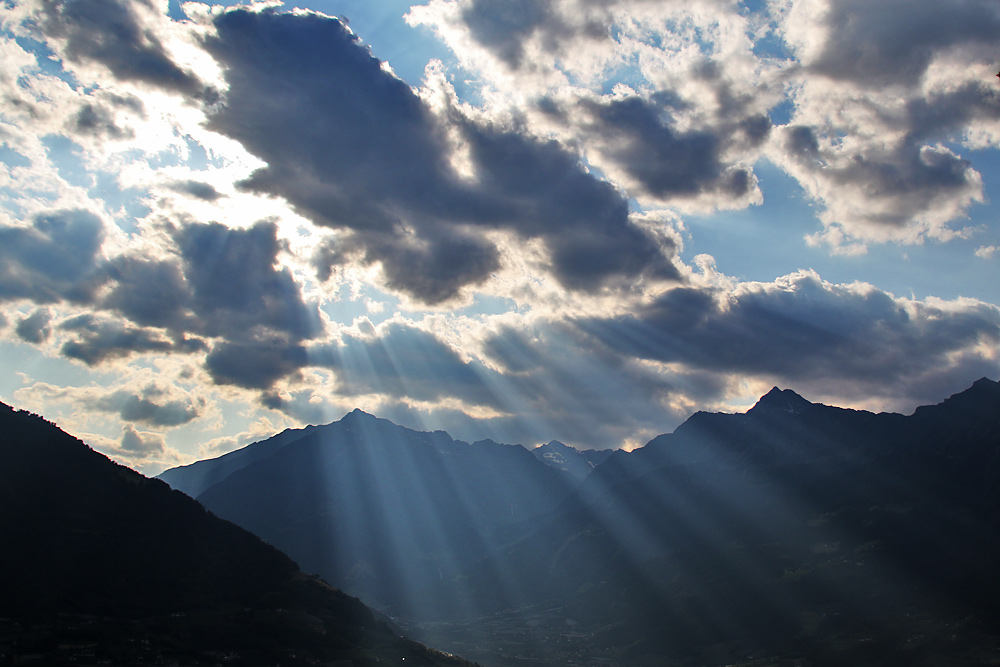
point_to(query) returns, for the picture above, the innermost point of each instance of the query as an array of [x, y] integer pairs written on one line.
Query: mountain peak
[[984, 384], [357, 414], [784, 400], [554, 444], [982, 396]]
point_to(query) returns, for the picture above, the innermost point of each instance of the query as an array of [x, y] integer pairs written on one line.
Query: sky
[[522, 220]]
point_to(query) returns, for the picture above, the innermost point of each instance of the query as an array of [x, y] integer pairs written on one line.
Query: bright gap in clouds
[[585, 222], [770, 239]]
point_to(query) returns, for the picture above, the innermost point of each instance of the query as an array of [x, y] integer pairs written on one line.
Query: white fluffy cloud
[[881, 98]]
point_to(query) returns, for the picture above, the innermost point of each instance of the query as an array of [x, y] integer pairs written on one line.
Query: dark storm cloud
[[352, 147], [799, 329], [951, 112], [514, 351], [150, 406], [503, 27], [665, 162], [100, 339], [435, 270], [887, 187], [301, 408], [112, 33], [254, 363], [236, 289], [801, 142], [339, 134], [893, 41], [56, 258], [915, 167], [227, 286], [96, 120], [196, 189], [150, 292], [542, 191], [924, 174], [35, 328]]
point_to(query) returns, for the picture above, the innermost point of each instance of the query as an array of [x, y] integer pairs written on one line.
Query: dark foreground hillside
[[100, 565]]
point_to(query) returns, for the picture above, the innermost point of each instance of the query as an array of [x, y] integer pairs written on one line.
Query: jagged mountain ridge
[[389, 513], [575, 462], [101, 564], [734, 532], [749, 530]]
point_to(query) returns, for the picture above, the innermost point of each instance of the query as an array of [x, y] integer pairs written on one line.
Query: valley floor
[[547, 636]]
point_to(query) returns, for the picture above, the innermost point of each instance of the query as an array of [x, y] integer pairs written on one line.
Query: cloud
[[97, 117], [884, 93], [56, 258], [142, 445], [884, 191], [668, 99], [527, 383], [551, 188], [236, 289], [101, 338], [96, 120], [552, 374], [145, 451], [223, 284], [503, 27], [352, 147], [887, 43], [254, 363], [433, 269], [196, 189], [881, 97], [218, 283], [150, 292], [151, 405], [802, 329], [526, 36], [667, 163], [141, 397], [121, 36], [35, 328]]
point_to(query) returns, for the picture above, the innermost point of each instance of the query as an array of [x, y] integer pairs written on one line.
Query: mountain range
[[796, 532], [793, 534], [101, 565]]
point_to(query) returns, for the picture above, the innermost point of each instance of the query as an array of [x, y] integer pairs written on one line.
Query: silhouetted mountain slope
[[389, 514], [821, 535], [102, 564], [194, 478]]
